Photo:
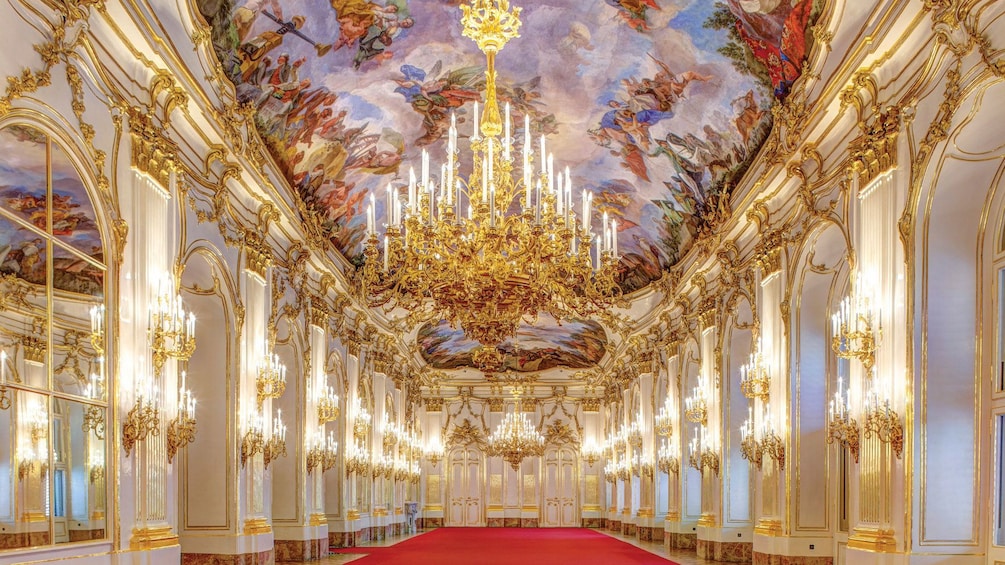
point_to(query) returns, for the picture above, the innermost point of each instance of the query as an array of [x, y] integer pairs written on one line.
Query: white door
[[560, 489], [464, 488]]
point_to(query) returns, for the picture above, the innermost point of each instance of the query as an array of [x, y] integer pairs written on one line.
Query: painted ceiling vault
[[657, 107]]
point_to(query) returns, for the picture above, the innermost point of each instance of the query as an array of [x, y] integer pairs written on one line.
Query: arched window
[[52, 347]]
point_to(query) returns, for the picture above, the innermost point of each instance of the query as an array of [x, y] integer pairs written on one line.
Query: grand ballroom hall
[[563, 282]]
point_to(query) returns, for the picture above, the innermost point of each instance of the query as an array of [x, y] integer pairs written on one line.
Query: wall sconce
[[276, 446], [648, 469], [590, 452], [391, 434], [750, 448], [883, 422], [755, 381], [144, 417], [33, 441], [663, 424], [181, 430], [635, 464], [94, 416], [841, 427], [170, 328], [323, 453], [31, 462], [98, 328], [414, 473], [271, 381], [620, 442], [754, 448], [668, 460], [634, 434], [5, 395], [96, 473], [254, 438], [383, 466], [771, 444], [856, 328], [327, 403], [411, 446], [357, 459], [401, 470], [360, 422], [624, 469], [695, 407], [701, 456], [611, 472], [434, 452]]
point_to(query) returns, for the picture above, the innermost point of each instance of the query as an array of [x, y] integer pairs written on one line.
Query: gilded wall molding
[[874, 152], [938, 131], [433, 404], [152, 153], [768, 251], [590, 404]]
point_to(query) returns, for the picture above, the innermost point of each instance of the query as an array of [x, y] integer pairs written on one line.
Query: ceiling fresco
[[657, 106], [575, 344]]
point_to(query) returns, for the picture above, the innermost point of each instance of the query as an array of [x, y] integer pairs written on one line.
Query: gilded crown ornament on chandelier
[[501, 246]]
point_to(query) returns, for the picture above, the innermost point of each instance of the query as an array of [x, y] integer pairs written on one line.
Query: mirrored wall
[[53, 375]]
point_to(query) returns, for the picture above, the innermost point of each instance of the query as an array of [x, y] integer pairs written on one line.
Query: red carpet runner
[[505, 546]]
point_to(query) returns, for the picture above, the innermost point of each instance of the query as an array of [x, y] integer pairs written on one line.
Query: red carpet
[[505, 546]]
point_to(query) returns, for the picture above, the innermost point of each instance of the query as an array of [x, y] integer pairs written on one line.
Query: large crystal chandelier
[[516, 438], [501, 246]]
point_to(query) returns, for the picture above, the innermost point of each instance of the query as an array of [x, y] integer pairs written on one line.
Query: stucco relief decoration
[[559, 433], [466, 434], [672, 100]]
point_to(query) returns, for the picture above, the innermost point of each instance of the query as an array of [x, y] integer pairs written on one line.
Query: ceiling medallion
[[501, 246]]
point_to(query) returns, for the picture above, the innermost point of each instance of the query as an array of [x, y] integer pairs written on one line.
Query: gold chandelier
[[501, 246], [516, 438]]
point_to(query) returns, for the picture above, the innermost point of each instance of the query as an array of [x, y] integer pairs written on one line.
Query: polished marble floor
[[683, 557]]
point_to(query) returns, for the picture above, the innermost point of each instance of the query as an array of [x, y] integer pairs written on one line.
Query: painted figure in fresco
[[633, 12], [370, 26], [378, 37], [354, 18], [578, 38], [748, 115], [775, 32], [245, 15], [253, 51], [662, 91], [433, 99]]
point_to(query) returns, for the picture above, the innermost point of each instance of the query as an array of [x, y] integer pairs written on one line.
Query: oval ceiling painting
[[657, 106], [576, 344]]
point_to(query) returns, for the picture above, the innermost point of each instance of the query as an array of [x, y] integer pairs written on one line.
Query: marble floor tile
[[656, 547]]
